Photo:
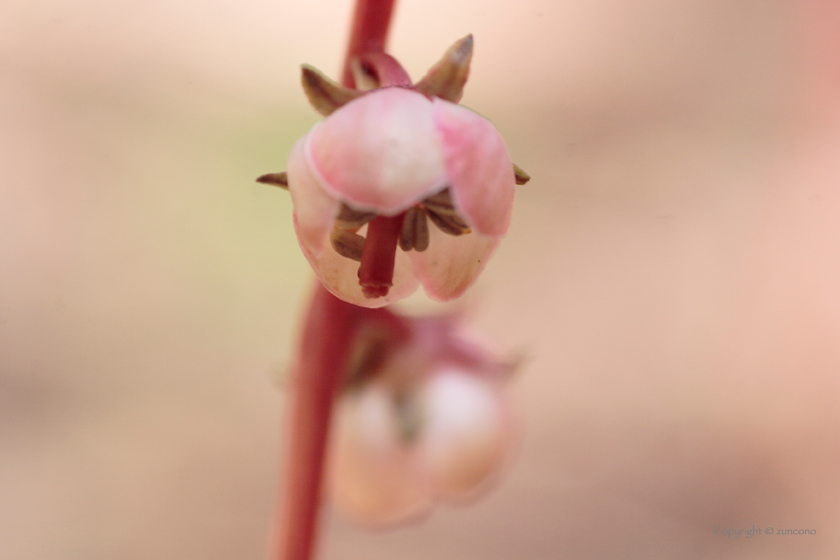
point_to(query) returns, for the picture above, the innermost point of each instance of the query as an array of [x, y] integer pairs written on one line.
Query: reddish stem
[[321, 360], [323, 353], [370, 30], [376, 273]]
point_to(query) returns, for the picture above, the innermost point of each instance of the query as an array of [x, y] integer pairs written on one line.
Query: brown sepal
[[324, 94], [447, 78], [275, 179], [520, 175]]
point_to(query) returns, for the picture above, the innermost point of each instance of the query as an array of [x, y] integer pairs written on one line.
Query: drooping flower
[[423, 419], [399, 166]]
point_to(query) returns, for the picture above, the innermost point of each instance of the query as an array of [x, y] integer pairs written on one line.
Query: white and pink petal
[[373, 473], [380, 152], [314, 209], [467, 433], [478, 166], [452, 264], [340, 276]]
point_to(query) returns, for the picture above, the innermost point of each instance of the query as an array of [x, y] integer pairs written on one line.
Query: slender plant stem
[[321, 360], [323, 354], [370, 31]]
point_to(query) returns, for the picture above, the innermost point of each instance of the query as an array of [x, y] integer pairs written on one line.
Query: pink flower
[[422, 421], [399, 166]]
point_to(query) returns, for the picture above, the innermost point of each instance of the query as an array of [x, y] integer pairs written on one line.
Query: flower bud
[[420, 421]]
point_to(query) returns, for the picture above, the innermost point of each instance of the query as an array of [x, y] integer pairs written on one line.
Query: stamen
[[440, 203], [351, 219], [376, 273], [347, 244], [442, 212], [421, 232], [406, 241], [415, 231], [452, 225]]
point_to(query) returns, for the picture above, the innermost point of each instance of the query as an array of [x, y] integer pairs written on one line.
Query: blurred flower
[[421, 420], [384, 164]]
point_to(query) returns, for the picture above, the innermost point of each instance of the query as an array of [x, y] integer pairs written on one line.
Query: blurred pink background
[[672, 273]]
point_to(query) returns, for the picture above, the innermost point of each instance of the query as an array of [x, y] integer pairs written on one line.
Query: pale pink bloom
[[396, 153], [431, 422]]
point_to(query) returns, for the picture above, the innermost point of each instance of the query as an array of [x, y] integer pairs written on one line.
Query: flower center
[[409, 230]]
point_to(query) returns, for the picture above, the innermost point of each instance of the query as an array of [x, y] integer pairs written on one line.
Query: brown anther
[[440, 203], [324, 94], [452, 225], [415, 231], [520, 175], [351, 219], [275, 179], [447, 78], [347, 244], [406, 240], [441, 210]]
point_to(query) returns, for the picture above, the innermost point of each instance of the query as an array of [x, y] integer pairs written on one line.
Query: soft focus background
[[673, 274]]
